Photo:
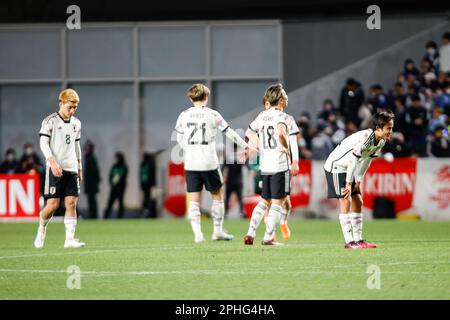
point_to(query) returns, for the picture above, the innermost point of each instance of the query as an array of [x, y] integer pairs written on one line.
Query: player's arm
[[294, 151], [233, 136], [362, 169], [78, 153], [282, 135], [44, 143], [179, 131], [352, 167]]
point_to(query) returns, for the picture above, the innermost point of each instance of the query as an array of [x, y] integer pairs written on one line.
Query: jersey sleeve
[[220, 122], [255, 125], [293, 128], [179, 124], [46, 128]]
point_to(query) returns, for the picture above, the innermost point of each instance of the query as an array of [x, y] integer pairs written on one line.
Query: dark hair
[[274, 93], [381, 118], [415, 97], [120, 158], [377, 87], [446, 36], [431, 44]]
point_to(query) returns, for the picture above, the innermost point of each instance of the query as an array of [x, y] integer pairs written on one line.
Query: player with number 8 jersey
[[60, 136]]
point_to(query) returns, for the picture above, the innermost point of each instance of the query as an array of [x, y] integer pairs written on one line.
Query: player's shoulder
[[50, 118], [365, 134]]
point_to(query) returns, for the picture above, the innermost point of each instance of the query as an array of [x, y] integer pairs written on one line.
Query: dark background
[[20, 11]]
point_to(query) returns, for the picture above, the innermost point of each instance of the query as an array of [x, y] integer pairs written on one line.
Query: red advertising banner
[[19, 196], [395, 180], [301, 185], [175, 201]]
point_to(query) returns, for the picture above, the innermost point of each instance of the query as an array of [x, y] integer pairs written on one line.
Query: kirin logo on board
[[19, 196], [394, 180]]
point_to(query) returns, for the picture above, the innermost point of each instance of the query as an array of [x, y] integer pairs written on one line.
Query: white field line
[[202, 272]]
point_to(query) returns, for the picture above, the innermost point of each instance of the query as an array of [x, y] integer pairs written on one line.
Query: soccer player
[[196, 130], [257, 217], [345, 168], [270, 132], [60, 143]]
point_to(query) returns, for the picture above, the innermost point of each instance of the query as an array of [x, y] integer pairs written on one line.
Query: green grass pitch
[[157, 259]]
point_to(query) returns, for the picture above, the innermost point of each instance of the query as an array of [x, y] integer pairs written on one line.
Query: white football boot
[[74, 243], [40, 237], [222, 235]]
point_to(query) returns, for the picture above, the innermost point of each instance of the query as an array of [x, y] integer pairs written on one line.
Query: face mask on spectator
[[431, 51], [10, 157], [29, 151]]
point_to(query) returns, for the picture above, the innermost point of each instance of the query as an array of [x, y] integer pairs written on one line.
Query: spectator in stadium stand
[[28, 151], [118, 182], [377, 99], [438, 119], [397, 146], [147, 177], [432, 55], [10, 165], [418, 126], [443, 100], [328, 109], [409, 68], [233, 182], [444, 53], [321, 143], [91, 179], [400, 124], [398, 92], [440, 144], [350, 128], [352, 97], [425, 68], [306, 134]]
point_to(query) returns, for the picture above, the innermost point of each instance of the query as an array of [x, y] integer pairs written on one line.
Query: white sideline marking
[[200, 272], [81, 251]]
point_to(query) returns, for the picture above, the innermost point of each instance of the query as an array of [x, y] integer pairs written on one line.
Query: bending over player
[[60, 143], [345, 168], [196, 130]]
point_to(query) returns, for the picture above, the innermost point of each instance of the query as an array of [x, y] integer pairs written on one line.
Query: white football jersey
[[199, 128], [360, 144], [63, 134], [272, 158]]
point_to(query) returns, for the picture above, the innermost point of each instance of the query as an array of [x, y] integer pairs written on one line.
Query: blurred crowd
[[419, 98]]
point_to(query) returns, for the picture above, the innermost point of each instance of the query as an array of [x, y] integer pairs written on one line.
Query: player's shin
[[272, 220], [257, 216], [356, 219], [217, 212], [194, 217], [71, 224], [346, 226]]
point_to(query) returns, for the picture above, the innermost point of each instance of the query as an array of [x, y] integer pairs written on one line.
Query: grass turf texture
[[158, 259]]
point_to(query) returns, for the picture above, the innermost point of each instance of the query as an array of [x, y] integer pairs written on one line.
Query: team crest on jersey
[[74, 128], [59, 127]]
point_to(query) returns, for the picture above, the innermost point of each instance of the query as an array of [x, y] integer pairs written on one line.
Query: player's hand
[[244, 155], [55, 167], [347, 191], [294, 168], [80, 175]]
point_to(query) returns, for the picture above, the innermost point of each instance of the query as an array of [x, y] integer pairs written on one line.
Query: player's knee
[[52, 206], [70, 204]]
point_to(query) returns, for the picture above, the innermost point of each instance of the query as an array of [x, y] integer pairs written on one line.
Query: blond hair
[[69, 95], [198, 92]]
